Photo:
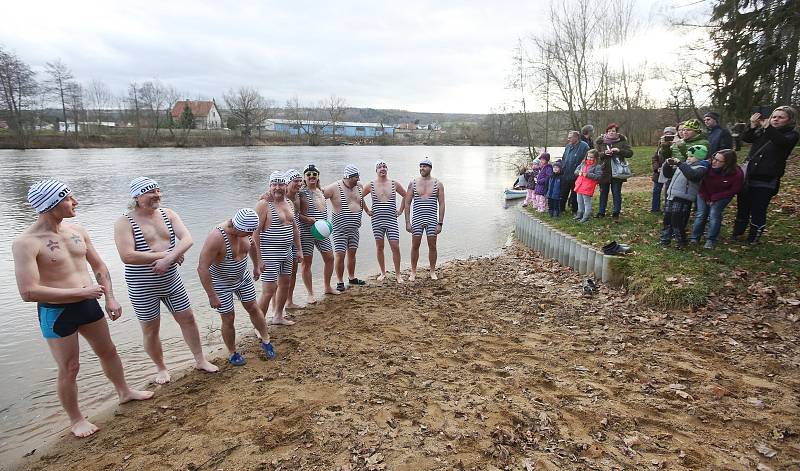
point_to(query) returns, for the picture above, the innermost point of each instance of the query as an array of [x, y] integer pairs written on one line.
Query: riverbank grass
[[673, 278]]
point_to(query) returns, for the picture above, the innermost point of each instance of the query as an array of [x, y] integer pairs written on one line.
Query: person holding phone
[[664, 143], [772, 140]]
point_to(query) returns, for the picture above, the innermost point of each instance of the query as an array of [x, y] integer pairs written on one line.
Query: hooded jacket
[[588, 177], [686, 179], [541, 179]]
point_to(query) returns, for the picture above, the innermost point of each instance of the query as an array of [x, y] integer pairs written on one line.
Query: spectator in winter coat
[[530, 185], [681, 193], [553, 191], [690, 133], [718, 137], [772, 142], [539, 198], [720, 184], [589, 173], [574, 152], [657, 162], [611, 145]]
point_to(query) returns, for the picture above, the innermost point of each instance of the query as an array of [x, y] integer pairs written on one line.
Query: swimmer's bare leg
[[327, 271], [280, 301], [308, 280], [151, 341], [416, 240], [191, 335], [290, 304], [395, 246], [381, 261], [432, 254]]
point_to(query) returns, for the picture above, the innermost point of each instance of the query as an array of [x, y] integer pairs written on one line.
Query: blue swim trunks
[[62, 320]]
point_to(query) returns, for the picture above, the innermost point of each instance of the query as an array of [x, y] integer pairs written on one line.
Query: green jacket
[[679, 150]]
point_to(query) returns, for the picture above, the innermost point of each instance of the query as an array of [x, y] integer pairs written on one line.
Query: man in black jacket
[[718, 137]]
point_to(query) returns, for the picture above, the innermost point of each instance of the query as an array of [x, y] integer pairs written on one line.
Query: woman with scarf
[[772, 140], [611, 145]]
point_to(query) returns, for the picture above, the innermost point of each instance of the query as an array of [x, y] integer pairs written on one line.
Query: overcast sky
[[438, 56]]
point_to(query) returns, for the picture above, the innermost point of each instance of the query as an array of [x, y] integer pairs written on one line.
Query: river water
[[205, 186]]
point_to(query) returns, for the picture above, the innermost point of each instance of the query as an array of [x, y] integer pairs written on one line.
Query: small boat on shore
[[511, 194]]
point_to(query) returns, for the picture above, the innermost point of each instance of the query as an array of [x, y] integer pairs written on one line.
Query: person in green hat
[[690, 134], [685, 178]]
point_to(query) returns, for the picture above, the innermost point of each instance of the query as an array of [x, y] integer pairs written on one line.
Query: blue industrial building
[[325, 128]]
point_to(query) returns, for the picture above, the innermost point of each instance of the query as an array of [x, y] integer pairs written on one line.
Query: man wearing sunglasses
[[313, 209], [348, 203]]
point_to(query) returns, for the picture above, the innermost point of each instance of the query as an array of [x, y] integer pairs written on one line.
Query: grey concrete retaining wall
[[567, 250]]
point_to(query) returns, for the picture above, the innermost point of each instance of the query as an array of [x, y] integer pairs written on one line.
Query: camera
[[668, 138]]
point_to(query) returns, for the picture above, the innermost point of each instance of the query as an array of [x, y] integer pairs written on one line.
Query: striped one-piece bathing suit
[[306, 239], [384, 216], [276, 247], [232, 276], [146, 289], [425, 212], [346, 224]]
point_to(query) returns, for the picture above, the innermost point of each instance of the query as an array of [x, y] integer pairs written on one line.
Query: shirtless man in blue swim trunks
[[348, 203], [151, 242], [427, 206], [50, 260]]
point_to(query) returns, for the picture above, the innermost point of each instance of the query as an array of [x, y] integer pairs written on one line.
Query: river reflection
[[205, 186]]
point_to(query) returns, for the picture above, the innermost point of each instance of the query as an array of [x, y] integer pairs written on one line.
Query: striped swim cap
[[292, 174], [44, 195], [245, 220], [426, 161], [349, 171], [380, 163], [141, 185], [277, 177]]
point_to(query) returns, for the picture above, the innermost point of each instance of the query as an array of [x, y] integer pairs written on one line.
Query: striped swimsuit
[[276, 247], [346, 224], [425, 212], [146, 289], [231, 276], [384, 216], [306, 239]]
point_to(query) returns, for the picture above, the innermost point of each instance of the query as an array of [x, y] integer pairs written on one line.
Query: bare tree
[[99, 97], [335, 108], [74, 96], [303, 118], [519, 81], [58, 82], [134, 105], [155, 99], [18, 89], [249, 108], [567, 53]]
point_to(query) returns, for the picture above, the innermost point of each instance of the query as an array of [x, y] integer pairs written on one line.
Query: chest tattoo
[[52, 245], [76, 238]]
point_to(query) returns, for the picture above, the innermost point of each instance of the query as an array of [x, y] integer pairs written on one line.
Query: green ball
[[322, 229]]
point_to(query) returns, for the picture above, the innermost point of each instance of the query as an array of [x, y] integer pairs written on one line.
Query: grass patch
[[671, 278]]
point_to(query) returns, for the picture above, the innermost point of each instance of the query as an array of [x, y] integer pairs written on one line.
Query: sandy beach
[[500, 364]]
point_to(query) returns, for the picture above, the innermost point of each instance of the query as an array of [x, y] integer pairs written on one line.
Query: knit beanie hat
[[692, 124], [698, 151], [713, 115]]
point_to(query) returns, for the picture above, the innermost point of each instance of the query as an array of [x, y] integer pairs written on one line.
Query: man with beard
[[151, 242], [427, 205], [50, 260], [384, 216], [276, 233]]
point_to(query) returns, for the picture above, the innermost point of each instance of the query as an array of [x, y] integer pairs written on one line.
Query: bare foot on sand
[[294, 306], [400, 279], [280, 321], [162, 377], [382, 277], [311, 299], [332, 291], [83, 428], [412, 276], [433, 275], [205, 365], [135, 395]]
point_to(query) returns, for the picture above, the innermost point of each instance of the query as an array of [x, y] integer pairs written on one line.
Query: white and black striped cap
[[141, 185], [292, 174], [426, 161], [349, 171], [380, 163], [44, 195], [277, 177], [245, 220]]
